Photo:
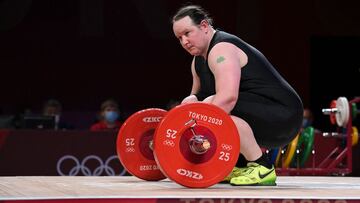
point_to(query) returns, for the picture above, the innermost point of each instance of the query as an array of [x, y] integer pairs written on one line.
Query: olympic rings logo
[[81, 166], [226, 147], [169, 143], [130, 149]]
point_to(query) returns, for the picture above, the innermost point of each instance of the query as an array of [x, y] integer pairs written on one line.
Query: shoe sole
[[255, 184]]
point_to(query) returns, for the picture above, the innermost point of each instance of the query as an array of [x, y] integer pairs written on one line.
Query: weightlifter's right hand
[[190, 99]]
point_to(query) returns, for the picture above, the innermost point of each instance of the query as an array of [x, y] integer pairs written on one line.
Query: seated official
[[53, 108], [108, 117]]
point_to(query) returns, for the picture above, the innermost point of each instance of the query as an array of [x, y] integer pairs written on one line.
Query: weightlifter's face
[[191, 36]]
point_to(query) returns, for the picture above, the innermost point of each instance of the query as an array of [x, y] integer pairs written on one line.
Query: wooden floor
[[85, 187]]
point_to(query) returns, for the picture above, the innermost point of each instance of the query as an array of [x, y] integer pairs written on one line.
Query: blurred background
[[82, 52]]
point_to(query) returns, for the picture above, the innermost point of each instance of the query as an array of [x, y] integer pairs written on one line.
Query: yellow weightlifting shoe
[[255, 174], [234, 173]]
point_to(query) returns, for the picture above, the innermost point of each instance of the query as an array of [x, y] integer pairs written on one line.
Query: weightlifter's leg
[[248, 145], [258, 164], [258, 171]]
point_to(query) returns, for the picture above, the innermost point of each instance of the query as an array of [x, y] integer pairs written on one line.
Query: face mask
[[306, 123], [111, 116]]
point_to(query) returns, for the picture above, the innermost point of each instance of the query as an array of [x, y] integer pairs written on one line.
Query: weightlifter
[[238, 78]]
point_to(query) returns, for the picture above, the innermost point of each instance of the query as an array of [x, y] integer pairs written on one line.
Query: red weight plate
[[133, 147], [186, 151], [172, 150], [332, 115]]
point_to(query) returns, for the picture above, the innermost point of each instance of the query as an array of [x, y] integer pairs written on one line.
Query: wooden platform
[[125, 189]]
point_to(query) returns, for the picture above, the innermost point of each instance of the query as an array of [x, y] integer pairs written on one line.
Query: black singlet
[[266, 101]]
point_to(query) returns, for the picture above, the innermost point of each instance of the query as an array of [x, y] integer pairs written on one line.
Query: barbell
[[338, 111], [354, 135], [195, 145]]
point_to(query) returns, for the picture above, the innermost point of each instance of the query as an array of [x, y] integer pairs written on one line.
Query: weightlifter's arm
[[224, 61], [195, 86]]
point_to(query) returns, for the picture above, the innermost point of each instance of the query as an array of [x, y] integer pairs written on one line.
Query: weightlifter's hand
[[189, 99], [209, 99]]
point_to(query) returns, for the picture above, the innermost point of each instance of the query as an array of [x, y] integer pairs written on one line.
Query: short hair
[[109, 103], [195, 12]]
